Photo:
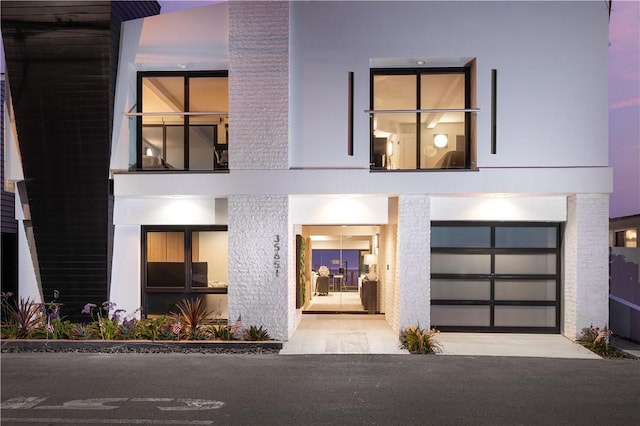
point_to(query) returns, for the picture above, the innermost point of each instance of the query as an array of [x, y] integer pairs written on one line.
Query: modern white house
[[455, 152]]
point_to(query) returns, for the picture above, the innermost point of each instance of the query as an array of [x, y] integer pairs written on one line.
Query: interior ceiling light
[[421, 62], [440, 140]]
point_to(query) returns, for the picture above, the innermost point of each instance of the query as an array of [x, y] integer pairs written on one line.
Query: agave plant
[[419, 341], [221, 332], [256, 333], [193, 313]]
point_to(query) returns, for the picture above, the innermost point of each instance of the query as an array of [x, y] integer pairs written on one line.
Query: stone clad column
[[586, 263], [414, 241], [258, 85], [260, 247]]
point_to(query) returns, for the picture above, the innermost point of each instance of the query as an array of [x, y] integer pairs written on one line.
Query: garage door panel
[[538, 290], [473, 316], [460, 290], [525, 316]]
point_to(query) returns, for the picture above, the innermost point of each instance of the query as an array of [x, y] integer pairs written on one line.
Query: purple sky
[[624, 107]]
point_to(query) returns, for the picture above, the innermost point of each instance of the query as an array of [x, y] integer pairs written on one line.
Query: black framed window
[[495, 276], [183, 261], [421, 118], [183, 120]]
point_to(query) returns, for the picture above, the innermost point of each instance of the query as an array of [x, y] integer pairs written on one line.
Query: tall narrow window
[[183, 121], [421, 118]]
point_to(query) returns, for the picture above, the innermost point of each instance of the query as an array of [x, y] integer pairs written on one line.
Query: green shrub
[[597, 340], [220, 332], [256, 333], [419, 341], [159, 328]]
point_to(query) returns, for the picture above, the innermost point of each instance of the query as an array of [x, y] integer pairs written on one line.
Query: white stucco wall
[[125, 270], [551, 59]]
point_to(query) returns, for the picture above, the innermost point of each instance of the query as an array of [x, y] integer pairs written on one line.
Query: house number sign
[[276, 254]]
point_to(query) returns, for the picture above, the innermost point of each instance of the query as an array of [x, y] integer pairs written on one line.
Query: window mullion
[[185, 123], [418, 118]]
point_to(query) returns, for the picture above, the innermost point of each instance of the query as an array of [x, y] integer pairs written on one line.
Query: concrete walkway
[[370, 334]]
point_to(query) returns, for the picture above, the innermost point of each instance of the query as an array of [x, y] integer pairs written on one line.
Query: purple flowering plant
[[104, 323]]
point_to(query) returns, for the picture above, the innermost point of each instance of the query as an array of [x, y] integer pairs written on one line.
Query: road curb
[[142, 346]]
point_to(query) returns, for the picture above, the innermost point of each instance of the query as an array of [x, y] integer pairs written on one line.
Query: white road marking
[[21, 403], [31, 402], [195, 404], [84, 404], [151, 399]]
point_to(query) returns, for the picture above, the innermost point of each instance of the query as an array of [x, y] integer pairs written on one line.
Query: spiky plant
[[419, 341], [192, 313], [220, 332], [256, 333], [24, 316], [80, 332]]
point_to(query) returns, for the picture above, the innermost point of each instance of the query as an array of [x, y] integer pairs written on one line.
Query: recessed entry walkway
[[343, 334], [370, 334]]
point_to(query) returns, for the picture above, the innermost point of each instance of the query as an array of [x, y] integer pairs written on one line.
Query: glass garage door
[[495, 277]]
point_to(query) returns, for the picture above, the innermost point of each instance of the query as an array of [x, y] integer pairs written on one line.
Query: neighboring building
[[8, 225], [461, 145], [624, 286]]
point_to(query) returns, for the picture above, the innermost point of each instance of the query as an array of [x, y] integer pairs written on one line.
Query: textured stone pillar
[[259, 85], [260, 250], [586, 263], [414, 240]]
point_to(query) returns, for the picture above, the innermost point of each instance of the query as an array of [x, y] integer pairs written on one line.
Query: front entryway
[[343, 334], [339, 261]]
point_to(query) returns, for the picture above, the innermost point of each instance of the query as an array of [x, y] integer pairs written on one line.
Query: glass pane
[[442, 263], [460, 316], [201, 147], [394, 147], [165, 274], [529, 237], [394, 134], [209, 256], [442, 91], [443, 136], [157, 304], [460, 236], [525, 290], [162, 94], [209, 94], [460, 290], [174, 153], [525, 264], [153, 148], [525, 316], [165, 246]]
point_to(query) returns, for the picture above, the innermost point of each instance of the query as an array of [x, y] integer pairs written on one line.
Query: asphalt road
[[202, 389]]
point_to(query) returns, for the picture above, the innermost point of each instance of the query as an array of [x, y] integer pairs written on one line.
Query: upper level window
[[183, 120], [421, 118]]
